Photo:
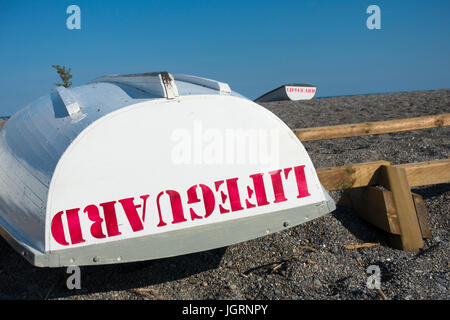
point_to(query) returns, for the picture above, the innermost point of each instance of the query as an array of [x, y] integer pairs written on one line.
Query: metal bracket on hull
[[73, 108], [69, 101], [160, 84], [168, 82], [208, 83]]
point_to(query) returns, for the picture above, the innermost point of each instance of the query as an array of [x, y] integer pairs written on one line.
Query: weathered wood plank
[[367, 173], [422, 216], [377, 207], [351, 176], [370, 128], [428, 172], [410, 233]]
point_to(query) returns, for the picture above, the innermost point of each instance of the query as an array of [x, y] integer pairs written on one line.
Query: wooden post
[[410, 233]]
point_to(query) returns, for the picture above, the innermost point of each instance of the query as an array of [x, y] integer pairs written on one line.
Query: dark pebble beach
[[308, 261]]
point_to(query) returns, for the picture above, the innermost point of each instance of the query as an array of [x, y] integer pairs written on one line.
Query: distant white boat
[[292, 92]]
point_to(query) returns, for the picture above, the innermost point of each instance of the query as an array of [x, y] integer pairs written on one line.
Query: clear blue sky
[[253, 45]]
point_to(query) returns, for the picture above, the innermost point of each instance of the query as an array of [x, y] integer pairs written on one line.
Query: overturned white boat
[[145, 166], [292, 92]]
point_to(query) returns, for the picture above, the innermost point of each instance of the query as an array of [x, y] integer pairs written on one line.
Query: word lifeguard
[[220, 198]]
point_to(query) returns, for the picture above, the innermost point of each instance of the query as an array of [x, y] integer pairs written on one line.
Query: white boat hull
[[107, 173]]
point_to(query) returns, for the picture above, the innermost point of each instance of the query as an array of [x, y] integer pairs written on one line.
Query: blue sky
[[253, 45]]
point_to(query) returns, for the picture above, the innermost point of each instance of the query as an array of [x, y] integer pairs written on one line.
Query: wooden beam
[[399, 212], [428, 172], [367, 173], [369, 128], [351, 176], [422, 216], [410, 233], [377, 207]]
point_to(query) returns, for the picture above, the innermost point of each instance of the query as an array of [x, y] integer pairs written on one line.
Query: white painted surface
[[121, 147], [128, 153]]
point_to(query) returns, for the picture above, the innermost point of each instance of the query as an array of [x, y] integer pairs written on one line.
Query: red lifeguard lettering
[[175, 204], [109, 211], [233, 195], [229, 200], [73, 220], [300, 180], [223, 196], [94, 215], [208, 200], [131, 212], [277, 185], [302, 186], [233, 192], [58, 230], [259, 191]]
